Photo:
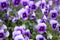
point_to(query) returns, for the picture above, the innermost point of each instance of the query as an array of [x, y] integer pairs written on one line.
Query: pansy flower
[[53, 14], [16, 3], [22, 13], [42, 4], [24, 2], [24, 16], [32, 6], [3, 4], [40, 37], [27, 33], [41, 27], [3, 34], [54, 24]]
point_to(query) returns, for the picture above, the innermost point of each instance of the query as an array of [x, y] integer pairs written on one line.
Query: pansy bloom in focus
[[53, 14], [41, 27], [22, 13], [54, 24], [3, 4], [32, 6]]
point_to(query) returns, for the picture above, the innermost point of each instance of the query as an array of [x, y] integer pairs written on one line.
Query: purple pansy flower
[[3, 4], [27, 33], [3, 34], [16, 3], [41, 27], [24, 2], [42, 4], [24, 16], [32, 6], [22, 13], [53, 14], [54, 24], [40, 37]]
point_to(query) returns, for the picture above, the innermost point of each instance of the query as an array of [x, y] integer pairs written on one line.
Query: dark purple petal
[[4, 5], [32, 17], [53, 15], [41, 38], [24, 3], [16, 2], [54, 26], [24, 15], [33, 7], [43, 21], [42, 28], [2, 35]]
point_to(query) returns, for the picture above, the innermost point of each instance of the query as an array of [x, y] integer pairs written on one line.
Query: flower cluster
[[20, 33], [24, 17]]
